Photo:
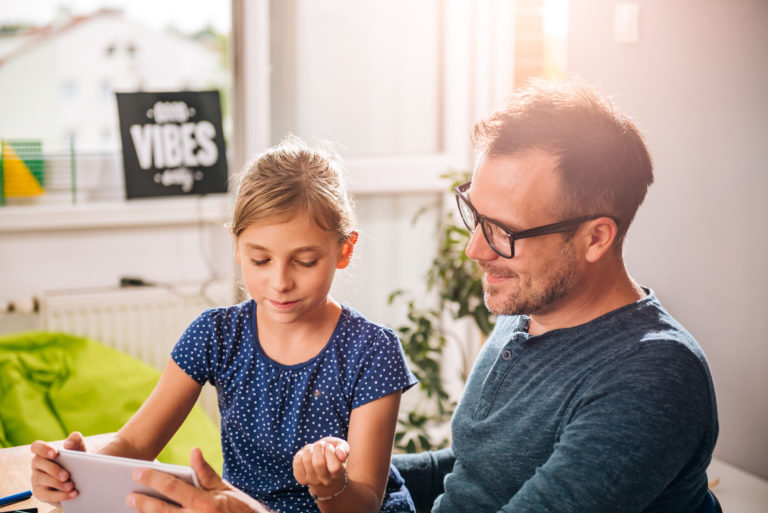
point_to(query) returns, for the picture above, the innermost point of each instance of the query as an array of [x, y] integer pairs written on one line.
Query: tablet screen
[[103, 482]]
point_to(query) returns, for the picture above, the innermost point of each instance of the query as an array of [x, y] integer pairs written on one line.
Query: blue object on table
[[16, 497]]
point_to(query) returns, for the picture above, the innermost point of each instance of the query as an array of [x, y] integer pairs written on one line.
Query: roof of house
[[14, 44]]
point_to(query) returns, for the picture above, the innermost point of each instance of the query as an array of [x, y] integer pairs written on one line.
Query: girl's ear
[[346, 251], [237, 248]]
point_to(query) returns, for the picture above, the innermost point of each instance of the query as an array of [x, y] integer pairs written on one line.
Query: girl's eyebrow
[[305, 249]]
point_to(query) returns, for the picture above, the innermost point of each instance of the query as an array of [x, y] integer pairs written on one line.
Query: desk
[[738, 491], [15, 472]]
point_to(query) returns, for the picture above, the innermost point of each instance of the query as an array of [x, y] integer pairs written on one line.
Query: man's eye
[[306, 264]]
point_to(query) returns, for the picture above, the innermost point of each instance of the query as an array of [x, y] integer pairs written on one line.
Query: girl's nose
[[281, 279]]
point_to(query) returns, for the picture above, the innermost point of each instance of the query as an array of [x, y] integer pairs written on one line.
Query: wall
[[184, 240], [93, 245], [696, 84]]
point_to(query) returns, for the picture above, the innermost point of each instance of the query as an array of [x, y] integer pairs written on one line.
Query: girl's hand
[[50, 482], [322, 465]]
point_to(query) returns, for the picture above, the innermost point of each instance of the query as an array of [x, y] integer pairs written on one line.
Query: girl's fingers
[[299, 471], [43, 450], [75, 442], [342, 450], [321, 462], [48, 467], [55, 496], [319, 465], [48, 482], [332, 462], [48, 489], [303, 467]]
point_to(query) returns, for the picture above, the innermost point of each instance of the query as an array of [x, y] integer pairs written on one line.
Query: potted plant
[[456, 281]]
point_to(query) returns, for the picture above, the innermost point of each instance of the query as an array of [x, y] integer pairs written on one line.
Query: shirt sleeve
[[382, 369], [194, 352], [423, 474], [630, 437]]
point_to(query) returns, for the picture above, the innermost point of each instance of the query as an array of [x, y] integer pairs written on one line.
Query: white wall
[[170, 240], [393, 252], [697, 85]]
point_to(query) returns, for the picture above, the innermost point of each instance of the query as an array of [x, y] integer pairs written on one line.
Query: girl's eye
[[306, 264], [259, 262]]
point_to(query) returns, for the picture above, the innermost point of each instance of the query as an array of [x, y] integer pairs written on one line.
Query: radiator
[[144, 322]]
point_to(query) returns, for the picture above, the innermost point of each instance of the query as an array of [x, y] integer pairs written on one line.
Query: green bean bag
[[52, 384]]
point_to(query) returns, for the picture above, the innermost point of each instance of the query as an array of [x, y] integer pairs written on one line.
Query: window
[[107, 91], [365, 75], [396, 86], [88, 52], [68, 91]]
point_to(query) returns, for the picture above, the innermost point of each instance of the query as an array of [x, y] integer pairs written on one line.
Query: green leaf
[[457, 282]]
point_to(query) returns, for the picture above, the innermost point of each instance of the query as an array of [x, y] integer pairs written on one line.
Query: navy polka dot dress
[[269, 411]]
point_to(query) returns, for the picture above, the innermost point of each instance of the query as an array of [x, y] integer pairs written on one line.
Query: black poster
[[172, 143]]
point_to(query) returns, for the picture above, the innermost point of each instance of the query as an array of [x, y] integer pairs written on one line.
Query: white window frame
[[476, 75]]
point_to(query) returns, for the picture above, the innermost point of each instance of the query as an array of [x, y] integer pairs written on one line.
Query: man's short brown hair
[[604, 165]]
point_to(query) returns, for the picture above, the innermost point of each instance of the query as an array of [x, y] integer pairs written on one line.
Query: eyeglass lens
[[467, 214], [495, 235]]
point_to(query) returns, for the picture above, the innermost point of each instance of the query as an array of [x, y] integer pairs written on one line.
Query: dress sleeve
[[194, 353], [629, 437], [382, 369]]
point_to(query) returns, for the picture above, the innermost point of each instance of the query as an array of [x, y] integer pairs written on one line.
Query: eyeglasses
[[500, 238]]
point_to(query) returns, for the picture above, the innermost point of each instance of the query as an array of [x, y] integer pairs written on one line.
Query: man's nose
[[478, 247]]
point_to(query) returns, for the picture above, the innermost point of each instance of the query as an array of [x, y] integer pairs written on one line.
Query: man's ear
[[347, 248], [600, 238]]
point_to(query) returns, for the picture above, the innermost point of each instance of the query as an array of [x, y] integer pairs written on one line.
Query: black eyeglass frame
[[559, 227]]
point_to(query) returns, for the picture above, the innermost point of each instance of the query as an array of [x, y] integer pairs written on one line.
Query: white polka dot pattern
[[269, 410]]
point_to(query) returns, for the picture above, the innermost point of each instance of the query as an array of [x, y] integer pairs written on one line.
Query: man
[[588, 396]]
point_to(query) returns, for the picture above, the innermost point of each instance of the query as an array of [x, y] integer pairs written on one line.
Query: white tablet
[[103, 482]]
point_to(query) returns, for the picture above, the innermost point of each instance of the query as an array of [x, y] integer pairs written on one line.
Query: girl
[[296, 373]]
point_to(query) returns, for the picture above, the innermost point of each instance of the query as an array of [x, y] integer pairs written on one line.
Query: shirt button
[[506, 354]]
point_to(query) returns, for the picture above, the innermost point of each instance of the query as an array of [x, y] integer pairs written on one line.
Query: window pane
[[362, 74], [61, 63]]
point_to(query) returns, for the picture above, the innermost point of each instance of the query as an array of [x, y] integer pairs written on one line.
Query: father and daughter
[[308, 389]]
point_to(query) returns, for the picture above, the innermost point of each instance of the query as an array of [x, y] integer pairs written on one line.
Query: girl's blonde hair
[[293, 179]]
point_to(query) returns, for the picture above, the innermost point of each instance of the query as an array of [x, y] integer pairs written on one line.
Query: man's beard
[[530, 299]]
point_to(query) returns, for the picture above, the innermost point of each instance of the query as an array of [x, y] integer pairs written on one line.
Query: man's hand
[[214, 495]]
